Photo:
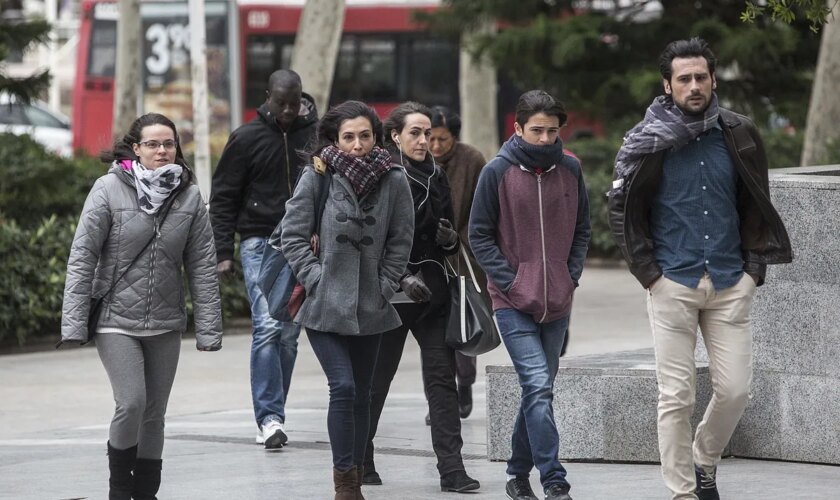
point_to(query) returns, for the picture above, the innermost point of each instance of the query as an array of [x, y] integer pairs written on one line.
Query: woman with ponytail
[[143, 223]]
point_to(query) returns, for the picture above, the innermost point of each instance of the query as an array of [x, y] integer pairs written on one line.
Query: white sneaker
[[272, 436]]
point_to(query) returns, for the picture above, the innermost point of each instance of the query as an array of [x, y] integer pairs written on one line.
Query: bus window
[[434, 72], [366, 70], [264, 54], [103, 49]]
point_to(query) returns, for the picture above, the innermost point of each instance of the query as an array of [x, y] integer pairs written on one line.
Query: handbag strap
[[469, 266]]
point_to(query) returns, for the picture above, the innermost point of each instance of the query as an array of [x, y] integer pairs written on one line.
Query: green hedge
[[41, 196], [596, 158]]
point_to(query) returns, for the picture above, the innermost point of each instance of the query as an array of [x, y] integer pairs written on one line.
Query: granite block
[[810, 426], [503, 394], [604, 406], [759, 433], [787, 324], [810, 208]]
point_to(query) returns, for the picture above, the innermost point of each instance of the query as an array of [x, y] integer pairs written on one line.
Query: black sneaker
[[519, 488], [706, 483], [557, 492], [371, 478], [459, 482]]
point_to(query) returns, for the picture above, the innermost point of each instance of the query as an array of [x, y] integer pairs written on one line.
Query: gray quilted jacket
[[111, 230], [364, 249]]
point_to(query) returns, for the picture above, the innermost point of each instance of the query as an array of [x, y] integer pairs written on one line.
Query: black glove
[[415, 288], [445, 236]]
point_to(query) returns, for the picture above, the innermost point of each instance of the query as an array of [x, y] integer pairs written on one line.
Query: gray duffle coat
[[364, 249], [111, 230]]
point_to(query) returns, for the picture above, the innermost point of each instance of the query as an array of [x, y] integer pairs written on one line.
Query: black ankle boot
[[146, 478], [121, 463]]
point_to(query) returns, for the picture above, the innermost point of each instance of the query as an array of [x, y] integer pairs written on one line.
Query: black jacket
[[256, 176], [429, 207], [764, 239]]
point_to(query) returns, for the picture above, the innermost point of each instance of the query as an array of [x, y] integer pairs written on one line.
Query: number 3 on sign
[[158, 62], [160, 35]]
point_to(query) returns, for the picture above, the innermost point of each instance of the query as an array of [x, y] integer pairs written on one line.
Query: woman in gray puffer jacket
[[147, 207]]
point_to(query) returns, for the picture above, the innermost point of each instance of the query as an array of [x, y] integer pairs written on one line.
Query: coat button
[[424, 237]]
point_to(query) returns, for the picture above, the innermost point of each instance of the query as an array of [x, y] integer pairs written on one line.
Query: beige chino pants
[[723, 316]]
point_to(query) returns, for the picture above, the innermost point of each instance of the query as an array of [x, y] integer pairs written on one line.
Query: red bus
[[384, 58]]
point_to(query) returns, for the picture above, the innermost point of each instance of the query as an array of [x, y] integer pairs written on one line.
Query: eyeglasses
[[169, 145]]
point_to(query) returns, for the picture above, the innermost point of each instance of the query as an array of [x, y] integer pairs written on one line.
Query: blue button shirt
[[694, 217]]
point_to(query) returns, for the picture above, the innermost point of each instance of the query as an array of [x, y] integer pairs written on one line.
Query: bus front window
[[103, 49]]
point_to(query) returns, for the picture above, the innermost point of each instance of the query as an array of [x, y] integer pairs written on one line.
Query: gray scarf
[[665, 126]]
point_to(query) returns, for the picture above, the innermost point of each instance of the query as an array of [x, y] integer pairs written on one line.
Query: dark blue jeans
[[534, 349], [273, 344], [349, 363]]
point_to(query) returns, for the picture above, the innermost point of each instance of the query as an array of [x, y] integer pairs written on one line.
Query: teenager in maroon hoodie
[[529, 231]]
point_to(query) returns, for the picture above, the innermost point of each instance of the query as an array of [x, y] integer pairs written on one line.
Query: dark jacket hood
[[518, 152], [308, 115]]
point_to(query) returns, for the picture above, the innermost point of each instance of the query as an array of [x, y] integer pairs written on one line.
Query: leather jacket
[[764, 239]]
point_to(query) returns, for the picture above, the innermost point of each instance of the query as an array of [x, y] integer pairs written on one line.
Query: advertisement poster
[[167, 88]]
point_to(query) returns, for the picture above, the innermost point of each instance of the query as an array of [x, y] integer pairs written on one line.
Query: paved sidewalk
[[55, 408]]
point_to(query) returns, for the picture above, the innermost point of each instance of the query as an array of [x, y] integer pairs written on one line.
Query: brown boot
[[360, 472], [345, 484]]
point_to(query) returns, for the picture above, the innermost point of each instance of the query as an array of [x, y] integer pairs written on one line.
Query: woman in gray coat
[[141, 224], [350, 270]]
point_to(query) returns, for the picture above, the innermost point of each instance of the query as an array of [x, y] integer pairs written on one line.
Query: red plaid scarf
[[363, 173]]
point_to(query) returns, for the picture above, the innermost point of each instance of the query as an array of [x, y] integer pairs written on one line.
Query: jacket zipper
[[152, 274], [542, 241], [288, 165]]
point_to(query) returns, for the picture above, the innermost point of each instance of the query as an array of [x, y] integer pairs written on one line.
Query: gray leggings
[[141, 370]]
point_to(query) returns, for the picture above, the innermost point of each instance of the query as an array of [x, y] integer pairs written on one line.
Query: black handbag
[[470, 327]]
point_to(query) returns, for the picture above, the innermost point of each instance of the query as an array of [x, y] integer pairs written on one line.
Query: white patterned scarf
[[155, 186]]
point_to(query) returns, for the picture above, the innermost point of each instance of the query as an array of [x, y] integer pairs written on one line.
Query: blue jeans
[[534, 349], [273, 344], [348, 362]]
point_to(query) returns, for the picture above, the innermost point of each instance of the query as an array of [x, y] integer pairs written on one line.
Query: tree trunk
[[477, 85], [128, 74], [200, 101], [316, 48], [824, 110]]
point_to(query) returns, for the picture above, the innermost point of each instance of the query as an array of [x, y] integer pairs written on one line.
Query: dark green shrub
[[41, 197], [32, 279], [597, 156], [35, 183]]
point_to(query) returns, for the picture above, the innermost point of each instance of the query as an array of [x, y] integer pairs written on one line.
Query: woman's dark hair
[[396, 118], [694, 47], [123, 150], [327, 131], [538, 101], [448, 119]]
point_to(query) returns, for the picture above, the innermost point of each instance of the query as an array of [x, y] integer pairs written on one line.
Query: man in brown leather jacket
[[690, 210]]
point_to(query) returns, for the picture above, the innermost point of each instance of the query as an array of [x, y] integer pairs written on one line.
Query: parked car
[[48, 128]]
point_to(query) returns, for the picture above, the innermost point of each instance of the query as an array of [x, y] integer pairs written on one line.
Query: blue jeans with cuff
[[273, 344], [534, 349]]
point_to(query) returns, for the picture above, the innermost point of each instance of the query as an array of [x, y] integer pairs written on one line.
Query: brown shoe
[[345, 483]]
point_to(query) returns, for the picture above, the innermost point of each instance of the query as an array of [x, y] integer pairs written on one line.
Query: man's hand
[[445, 236], [225, 268], [415, 288]]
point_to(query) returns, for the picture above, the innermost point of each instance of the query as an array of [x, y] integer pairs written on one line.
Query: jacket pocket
[[527, 293], [561, 288]]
